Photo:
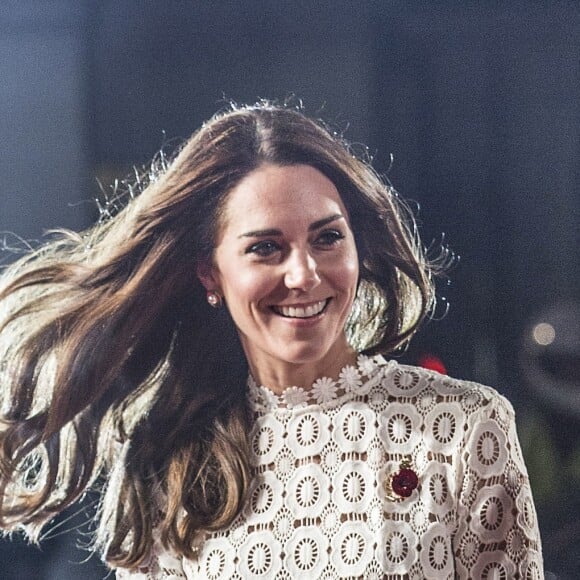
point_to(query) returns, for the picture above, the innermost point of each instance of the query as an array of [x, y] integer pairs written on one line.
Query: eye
[[329, 238], [263, 249]]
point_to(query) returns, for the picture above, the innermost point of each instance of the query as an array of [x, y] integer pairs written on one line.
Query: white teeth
[[300, 311]]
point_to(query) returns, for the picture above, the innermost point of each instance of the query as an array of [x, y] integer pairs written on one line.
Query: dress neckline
[[353, 380]]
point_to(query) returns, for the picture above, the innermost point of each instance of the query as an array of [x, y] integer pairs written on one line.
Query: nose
[[301, 272]]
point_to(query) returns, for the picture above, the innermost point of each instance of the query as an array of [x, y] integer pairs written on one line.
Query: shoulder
[[450, 418], [411, 384]]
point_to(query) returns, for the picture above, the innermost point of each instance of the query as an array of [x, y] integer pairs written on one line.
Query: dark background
[[478, 103]]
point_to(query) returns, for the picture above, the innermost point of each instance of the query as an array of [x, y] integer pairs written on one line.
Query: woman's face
[[286, 264]]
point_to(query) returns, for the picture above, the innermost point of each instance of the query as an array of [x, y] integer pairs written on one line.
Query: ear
[[205, 273]]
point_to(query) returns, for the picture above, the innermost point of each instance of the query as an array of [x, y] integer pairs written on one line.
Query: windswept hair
[[115, 372]]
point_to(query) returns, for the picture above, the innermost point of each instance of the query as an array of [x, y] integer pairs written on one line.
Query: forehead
[[278, 196]]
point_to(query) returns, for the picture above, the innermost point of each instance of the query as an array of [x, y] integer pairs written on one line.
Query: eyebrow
[[274, 232]]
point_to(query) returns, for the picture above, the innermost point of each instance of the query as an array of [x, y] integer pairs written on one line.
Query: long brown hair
[[113, 366]]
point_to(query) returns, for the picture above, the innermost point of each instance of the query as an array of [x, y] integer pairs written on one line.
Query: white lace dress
[[327, 499]]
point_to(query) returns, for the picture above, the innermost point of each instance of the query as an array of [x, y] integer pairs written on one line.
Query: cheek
[[347, 275], [247, 287]]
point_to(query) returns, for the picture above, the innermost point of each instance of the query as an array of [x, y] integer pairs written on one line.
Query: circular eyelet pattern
[[259, 556], [488, 449], [398, 547], [400, 428], [437, 552], [494, 566], [318, 505], [492, 512], [218, 559], [307, 552], [352, 549], [307, 492]]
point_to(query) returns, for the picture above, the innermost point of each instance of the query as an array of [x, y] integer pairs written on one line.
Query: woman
[[211, 352]]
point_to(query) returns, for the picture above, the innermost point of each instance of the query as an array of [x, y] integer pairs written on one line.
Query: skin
[[286, 241]]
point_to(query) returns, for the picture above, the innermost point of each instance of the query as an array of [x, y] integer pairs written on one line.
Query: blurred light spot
[[544, 333]]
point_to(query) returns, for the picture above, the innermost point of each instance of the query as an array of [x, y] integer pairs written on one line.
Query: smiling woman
[[287, 266], [211, 351]]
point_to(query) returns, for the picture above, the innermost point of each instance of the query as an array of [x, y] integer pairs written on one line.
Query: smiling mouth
[[302, 311]]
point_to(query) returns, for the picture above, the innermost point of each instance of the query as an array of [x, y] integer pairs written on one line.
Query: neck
[[278, 375]]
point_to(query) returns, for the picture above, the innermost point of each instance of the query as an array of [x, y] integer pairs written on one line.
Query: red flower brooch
[[400, 485]]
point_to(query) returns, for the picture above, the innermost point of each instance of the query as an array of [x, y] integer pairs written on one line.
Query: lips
[[307, 311]]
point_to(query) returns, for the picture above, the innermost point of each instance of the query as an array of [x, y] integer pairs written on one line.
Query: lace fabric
[[319, 506]]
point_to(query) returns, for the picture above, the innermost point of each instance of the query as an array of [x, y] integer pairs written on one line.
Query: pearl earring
[[214, 299]]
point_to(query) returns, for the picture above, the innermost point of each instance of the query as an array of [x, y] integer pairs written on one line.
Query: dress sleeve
[[497, 533], [162, 565]]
